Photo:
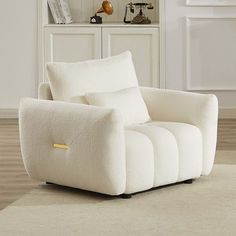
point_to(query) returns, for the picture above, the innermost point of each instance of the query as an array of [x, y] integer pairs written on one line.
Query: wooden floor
[[14, 181], [227, 134]]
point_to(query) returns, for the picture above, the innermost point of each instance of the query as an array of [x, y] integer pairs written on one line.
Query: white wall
[[18, 50], [18, 53], [201, 49]]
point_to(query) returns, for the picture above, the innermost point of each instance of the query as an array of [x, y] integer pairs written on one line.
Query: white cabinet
[[144, 46], [84, 42], [71, 44]]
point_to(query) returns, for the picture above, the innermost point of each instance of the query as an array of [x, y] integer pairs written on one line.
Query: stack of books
[[60, 10]]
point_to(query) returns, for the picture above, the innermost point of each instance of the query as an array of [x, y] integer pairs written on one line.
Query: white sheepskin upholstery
[[69, 80], [165, 153], [189, 143], [105, 156], [95, 159], [44, 91], [199, 110], [139, 162], [123, 100]]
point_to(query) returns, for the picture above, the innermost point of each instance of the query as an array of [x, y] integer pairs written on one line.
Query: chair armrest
[[200, 110], [95, 158], [44, 91]]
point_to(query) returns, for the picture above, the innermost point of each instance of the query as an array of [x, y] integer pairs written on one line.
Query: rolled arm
[[200, 110], [95, 158], [44, 91]]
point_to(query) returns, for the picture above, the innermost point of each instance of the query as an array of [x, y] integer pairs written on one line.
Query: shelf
[[112, 24]]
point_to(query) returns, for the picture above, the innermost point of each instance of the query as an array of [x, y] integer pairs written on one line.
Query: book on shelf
[[60, 11], [66, 11]]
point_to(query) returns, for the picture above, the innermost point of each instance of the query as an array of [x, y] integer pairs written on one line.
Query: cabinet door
[[71, 44], [144, 46]]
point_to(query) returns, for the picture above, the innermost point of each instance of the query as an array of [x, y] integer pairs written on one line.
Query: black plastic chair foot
[[48, 183], [188, 181], [126, 196]]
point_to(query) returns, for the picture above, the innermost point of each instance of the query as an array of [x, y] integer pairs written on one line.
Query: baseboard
[[224, 113], [227, 113], [8, 113]]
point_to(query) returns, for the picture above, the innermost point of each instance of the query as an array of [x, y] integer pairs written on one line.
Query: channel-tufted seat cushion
[[162, 153]]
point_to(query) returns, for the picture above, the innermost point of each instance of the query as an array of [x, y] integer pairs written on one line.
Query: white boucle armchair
[[101, 154]]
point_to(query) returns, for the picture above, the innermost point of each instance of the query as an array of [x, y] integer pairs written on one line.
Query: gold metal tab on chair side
[[61, 146]]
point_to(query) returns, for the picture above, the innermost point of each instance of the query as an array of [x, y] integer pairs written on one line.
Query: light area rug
[[206, 207]]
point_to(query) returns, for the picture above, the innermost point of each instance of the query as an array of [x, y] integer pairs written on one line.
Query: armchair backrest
[[69, 80]]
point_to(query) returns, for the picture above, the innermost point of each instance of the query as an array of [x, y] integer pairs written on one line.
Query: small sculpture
[[106, 7]]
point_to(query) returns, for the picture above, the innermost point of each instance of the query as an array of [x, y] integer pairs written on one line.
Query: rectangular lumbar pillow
[[128, 101], [69, 80]]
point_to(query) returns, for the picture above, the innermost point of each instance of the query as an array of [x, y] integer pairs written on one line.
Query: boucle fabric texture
[[106, 157], [200, 110], [69, 80], [128, 101], [111, 148]]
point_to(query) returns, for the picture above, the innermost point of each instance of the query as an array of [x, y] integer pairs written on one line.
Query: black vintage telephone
[[140, 18]]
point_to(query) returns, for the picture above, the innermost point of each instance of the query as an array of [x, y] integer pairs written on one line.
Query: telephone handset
[[140, 18]]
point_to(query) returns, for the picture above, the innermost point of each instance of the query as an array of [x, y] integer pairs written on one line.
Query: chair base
[[188, 181], [126, 196]]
